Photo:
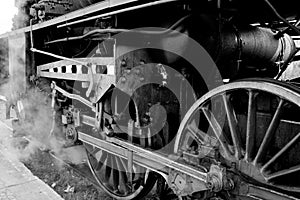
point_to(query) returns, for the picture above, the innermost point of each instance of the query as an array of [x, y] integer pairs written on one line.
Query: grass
[[67, 183]]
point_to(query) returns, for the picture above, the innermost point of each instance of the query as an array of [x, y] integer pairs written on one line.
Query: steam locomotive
[[203, 95]]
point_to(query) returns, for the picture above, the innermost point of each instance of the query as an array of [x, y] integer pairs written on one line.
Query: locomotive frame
[[206, 138]]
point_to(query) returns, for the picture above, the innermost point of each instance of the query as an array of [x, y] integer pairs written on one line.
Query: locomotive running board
[[143, 157]]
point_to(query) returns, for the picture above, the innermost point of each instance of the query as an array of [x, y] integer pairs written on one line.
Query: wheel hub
[[255, 136]]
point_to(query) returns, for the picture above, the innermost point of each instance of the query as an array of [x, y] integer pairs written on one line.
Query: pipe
[[74, 96], [117, 12], [31, 34], [296, 24], [88, 34], [47, 53], [88, 92], [281, 18], [113, 30], [285, 65], [57, 56]]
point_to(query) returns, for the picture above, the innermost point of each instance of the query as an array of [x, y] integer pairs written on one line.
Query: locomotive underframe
[[96, 77], [196, 179]]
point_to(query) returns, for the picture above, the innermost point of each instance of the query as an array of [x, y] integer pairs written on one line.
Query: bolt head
[[123, 79]]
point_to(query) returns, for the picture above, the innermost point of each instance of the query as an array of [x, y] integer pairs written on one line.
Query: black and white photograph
[[150, 100]]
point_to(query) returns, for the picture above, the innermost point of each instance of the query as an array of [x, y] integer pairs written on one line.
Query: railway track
[[83, 171], [80, 169]]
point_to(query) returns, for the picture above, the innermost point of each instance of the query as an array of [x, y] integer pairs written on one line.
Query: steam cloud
[[37, 126], [22, 18], [36, 105]]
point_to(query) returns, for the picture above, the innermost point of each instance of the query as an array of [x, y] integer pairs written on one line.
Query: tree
[[3, 61]]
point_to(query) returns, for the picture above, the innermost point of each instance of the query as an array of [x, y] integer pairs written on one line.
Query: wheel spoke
[[112, 175], [232, 126], [115, 173], [251, 126], [217, 130], [101, 160], [284, 172], [258, 138], [108, 169], [193, 129], [284, 150], [124, 165], [122, 176], [96, 150], [139, 174], [270, 133]]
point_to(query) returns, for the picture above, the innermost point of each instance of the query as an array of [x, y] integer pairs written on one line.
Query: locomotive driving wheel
[[252, 129], [112, 174]]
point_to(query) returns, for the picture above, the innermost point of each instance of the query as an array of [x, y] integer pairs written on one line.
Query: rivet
[[123, 62], [123, 79], [137, 71]]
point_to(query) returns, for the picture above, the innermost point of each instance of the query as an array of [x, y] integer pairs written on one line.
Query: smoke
[[35, 113], [35, 118], [21, 19], [36, 125], [40, 131]]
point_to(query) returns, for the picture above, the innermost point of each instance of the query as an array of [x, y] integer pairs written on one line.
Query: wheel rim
[[111, 173], [261, 140]]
